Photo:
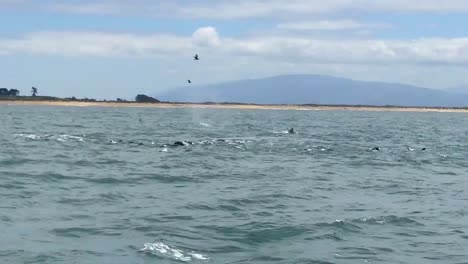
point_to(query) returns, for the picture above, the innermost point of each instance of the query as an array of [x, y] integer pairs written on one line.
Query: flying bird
[[189, 81]]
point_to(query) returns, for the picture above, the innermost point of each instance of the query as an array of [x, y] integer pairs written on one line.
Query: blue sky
[[118, 48]]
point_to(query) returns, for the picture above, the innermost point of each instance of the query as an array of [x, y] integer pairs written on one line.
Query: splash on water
[[60, 138], [165, 250], [205, 124]]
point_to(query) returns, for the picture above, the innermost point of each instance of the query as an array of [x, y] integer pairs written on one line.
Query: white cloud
[[289, 49], [431, 51], [206, 37], [330, 25]]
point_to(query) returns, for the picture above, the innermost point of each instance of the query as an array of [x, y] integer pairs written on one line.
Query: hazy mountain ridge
[[458, 89], [315, 89]]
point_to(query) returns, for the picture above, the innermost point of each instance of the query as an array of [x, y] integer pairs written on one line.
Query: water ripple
[[92, 185]]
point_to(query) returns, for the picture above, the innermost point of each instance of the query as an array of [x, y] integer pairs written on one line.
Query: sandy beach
[[237, 106]]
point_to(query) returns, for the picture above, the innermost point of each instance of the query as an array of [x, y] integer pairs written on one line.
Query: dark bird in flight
[[189, 81], [196, 57]]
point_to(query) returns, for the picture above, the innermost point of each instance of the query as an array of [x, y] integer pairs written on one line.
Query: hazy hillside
[[458, 90], [314, 89]]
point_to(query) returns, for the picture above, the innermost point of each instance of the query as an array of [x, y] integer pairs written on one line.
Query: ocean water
[[108, 185]]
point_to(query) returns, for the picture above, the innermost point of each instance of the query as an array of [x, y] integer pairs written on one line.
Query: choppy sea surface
[[144, 185]]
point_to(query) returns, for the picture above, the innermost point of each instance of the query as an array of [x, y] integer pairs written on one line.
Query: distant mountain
[[315, 89], [458, 90]]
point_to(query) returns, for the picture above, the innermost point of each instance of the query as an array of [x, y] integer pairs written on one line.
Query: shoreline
[[239, 106]]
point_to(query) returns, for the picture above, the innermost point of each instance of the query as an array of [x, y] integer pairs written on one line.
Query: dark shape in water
[[376, 148], [178, 143], [189, 81], [423, 149], [291, 131], [195, 57], [182, 143]]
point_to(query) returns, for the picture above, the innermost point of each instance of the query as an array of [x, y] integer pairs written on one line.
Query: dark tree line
[[14, 92], [142, 98], [11, 92]]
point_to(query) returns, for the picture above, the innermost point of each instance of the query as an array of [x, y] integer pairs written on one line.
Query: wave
[[164, 250], [163, 178], [340, 225], [29, 136], [318, 148], [64, 138], [60, 138], [285, 132], [205, 124], [358, 225], [391, 219], [164, 146], [256, 233], [109, 180], [280, 132], [76, 232]]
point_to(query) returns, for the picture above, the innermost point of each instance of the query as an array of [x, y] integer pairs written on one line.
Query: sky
[[106, 49]]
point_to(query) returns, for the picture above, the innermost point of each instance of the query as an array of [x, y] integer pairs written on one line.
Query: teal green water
[[106, 185]]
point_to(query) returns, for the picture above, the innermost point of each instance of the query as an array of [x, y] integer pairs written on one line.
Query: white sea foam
[[205, 124], [29, 136], [165, 250], [281, 132], [284, 132], [206, 142], [60, 138], [65, 138], [376, 220]]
